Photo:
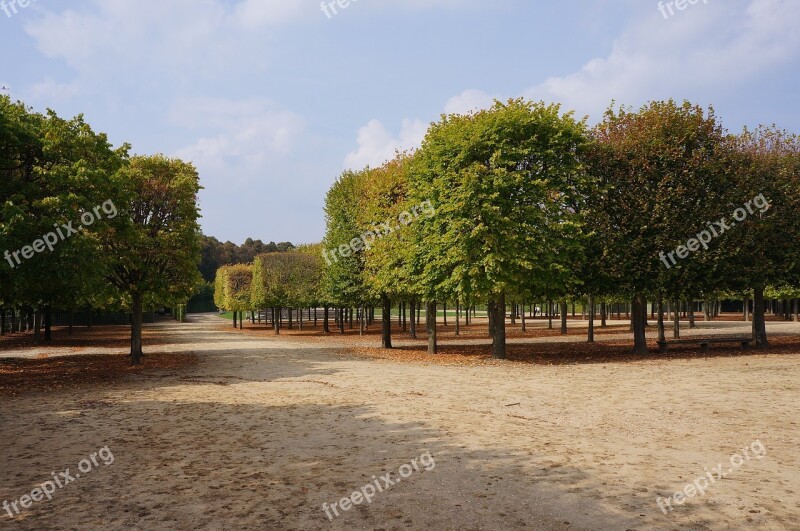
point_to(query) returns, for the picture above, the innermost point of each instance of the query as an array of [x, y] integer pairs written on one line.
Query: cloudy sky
[[273, 99]]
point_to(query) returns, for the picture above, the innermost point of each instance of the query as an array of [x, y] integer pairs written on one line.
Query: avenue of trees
[[142, 253], [532, 204]]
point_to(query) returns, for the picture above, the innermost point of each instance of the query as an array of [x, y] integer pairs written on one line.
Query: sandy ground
[[263, 431]]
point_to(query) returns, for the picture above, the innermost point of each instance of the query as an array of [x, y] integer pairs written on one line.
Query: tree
[[153, 247], [501, 181], [761, 246], [662, 173], [56, 175], [286, 280], [238, 283], [387, 272], [343, 278]]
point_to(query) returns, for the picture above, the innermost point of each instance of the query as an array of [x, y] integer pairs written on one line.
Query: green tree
[[760, 248], [501, 181], [153, 247], [662, 172], [387, 250], [343, 273]]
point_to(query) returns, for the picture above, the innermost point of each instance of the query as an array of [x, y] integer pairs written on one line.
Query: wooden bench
[[704, 342]]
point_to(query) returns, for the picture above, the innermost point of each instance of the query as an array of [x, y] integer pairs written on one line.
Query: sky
[[273, 99]]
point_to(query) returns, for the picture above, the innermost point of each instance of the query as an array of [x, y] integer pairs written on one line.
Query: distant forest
[[216, 254]]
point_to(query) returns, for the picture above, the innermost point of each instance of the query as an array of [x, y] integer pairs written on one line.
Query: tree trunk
[[639, 329], [524, 326], [564, 318], [430, 321], [759, 321], [37, 324], [676, 320], [662, 333], [550, 315], [276, 320], [591, 319], [413, 323], [3, 322], [48, 323], [136, 329], [498, 308], [796, 314], [386, 319], [341, 321], [325, 315], [490, 315], [458, 318], [692, 322]]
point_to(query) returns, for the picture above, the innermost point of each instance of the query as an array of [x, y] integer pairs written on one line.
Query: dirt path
[[264, 431]]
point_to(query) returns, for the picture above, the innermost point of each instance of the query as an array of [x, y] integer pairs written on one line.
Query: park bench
[[705, 341]]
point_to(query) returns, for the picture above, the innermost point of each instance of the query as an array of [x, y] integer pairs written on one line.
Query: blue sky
[[273, 99]]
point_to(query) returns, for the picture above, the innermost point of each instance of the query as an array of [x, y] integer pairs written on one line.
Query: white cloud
[[468, 101], [248, 135], [50, 91], [125, 36], [660, 58], [253, 14], [376, 144], [181, 34]]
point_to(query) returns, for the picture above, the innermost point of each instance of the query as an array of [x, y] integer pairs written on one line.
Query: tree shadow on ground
[[241, 443], [208, 464]]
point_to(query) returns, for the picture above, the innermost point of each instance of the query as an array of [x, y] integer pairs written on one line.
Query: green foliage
[[237, 288], [287, 279], [154, 242], [663, 177], [343, 280], [504, 182]]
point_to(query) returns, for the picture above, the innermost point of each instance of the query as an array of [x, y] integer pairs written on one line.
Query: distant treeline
[[216, 254]]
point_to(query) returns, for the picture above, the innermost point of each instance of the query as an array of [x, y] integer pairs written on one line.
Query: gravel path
[[265, 430]]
